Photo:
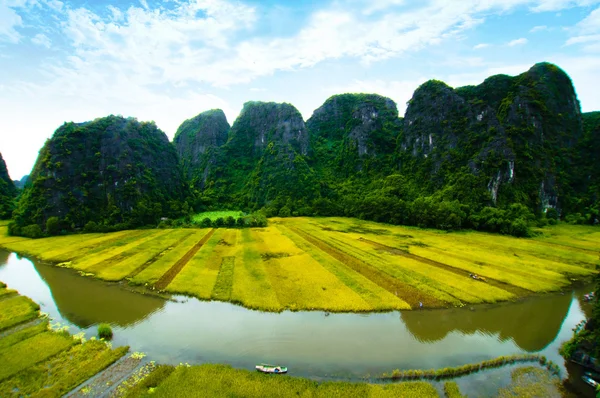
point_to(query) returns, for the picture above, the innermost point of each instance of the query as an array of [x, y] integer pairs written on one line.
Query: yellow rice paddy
[[332, 264]]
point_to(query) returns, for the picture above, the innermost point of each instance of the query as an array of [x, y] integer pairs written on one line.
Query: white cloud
[[587, 33], [9, 20], [556, 5], [591, 23], [480, 46], [41, 40], [538, 28], [517, 42]]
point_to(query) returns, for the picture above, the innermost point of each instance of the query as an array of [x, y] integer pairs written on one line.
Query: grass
[[31, 351], [105, 331], [213, 215], [451, 390], [471, 368], [224, 381], [332, 264], [532, 382], [21, 335], [63, 372], [16, 310]]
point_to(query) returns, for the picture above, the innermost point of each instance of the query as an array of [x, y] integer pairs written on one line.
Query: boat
[[266, 368], [590, 381]]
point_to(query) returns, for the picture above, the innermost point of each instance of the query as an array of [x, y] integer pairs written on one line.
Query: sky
[[168, 60]]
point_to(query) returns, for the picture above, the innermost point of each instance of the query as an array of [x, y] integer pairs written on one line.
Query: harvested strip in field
[[90, 244], [405, 292], [140, 257], [170, 242], [115, 249], [384, 264], [143, 246], [198, 277], [458, 271], [376, 296], [63, 372], [299, 281], [251, 285], [224, 284], [168, 277], [16, 310], [31, 351]]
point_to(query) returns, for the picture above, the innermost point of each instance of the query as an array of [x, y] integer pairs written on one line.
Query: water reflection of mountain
[[531, 324], [4, 257], [84, 301]]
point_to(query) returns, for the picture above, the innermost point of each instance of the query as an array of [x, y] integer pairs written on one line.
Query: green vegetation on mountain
[[110, 173], [8, 192], [500, 157], [503, 156]]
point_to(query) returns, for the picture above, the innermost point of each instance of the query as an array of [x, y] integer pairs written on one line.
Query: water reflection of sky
[[308, 342]]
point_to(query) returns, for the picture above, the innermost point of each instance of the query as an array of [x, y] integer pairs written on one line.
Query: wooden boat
[[590, 381], [266, 368]]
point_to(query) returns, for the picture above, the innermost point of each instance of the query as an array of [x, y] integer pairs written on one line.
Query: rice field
[[38, 361], [330, 264]]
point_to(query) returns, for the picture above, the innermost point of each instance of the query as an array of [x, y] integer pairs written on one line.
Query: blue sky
[[168, 60]]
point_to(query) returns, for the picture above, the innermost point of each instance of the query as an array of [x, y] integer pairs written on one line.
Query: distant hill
[[20, 184], [8, 192]]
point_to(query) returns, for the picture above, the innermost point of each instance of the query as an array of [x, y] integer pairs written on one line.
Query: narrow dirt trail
[[168, 276]]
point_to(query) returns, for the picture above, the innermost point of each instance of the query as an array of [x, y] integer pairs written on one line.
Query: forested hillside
[[8, 192], [501, 156], [110, 173]]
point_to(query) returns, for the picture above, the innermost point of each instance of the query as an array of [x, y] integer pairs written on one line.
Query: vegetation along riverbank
[[332, 264]]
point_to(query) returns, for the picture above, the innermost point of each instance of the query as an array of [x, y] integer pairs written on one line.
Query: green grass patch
[[223, 285], [63, 372], [16, 310], [223, 381], [451, 390], [31, 351], [21, 335], [213, 215]]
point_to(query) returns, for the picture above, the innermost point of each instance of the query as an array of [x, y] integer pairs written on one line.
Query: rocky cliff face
[[112, 169], [518, 133], [8, 192], [197, 141], [350, 130], [262, 159]]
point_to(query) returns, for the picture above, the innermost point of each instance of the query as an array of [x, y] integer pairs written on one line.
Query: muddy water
[[309, 343]]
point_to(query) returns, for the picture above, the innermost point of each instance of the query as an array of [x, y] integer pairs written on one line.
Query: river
[[312, 344]]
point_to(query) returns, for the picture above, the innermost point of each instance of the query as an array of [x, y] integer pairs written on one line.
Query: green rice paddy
[[332, 264]]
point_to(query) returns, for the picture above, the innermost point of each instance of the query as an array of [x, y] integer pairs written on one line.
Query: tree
[[206, 223], [230, 222], [53, 226], [219, 222]]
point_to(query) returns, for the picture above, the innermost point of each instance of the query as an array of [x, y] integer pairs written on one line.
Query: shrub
[[285, 212], [219, 222], [91, 226], [240, 222], [206, 222], [53, 226], [105, 331], [32, 231]]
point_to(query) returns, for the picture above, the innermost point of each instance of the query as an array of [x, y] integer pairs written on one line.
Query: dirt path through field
[[168, 277]]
